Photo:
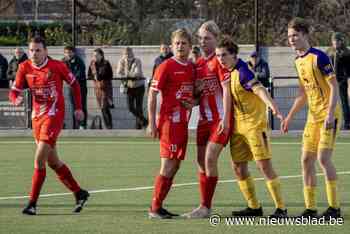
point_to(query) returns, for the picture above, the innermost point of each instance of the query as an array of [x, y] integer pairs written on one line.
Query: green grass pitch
[[106, 166]]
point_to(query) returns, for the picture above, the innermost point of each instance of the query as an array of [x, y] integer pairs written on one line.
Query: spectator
[[4, 83], [100, 70], [165, 53], [77, 67], [260, 68], [131, 68], [340, 59], [195, 54], [19, 57]]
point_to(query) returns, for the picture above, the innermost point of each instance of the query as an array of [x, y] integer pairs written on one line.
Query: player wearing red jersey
[[213, 130], [44, 77], [174, 79]]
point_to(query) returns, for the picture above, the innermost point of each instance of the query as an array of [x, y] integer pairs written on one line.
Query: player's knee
[[240, 170], [211, 162], [308, 161], [170, 169], [324, 162], [39, 163], [54, 165]]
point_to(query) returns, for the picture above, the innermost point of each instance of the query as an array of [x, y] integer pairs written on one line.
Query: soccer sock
[[211, 185], [37, 182], [202, 187], [162, 186], [331, 188], [274, 187], [310, 197], [66, 177], [248, 190]]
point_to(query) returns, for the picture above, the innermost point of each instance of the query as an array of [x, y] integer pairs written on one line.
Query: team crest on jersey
[[211, 66]]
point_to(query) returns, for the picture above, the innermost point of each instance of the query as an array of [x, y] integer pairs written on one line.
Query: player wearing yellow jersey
[[318, 87], [249, 139]]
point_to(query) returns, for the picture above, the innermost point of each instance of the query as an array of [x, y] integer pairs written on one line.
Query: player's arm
[[325, 66], [333, 100], [224, 125], [16, 91], [261, 91], [152, 107], [157, 85], [298, 104]]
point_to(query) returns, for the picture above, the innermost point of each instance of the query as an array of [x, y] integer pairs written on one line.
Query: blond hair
[[182, 33], [211, 27]]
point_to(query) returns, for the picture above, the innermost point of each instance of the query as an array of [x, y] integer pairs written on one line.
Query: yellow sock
[[274, 187], [309, 197], [248, 190], [331, 188]]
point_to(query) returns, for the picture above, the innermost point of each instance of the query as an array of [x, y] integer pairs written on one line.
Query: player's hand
[[329, 122], [223, 127], [152, 130], [79, 115], [187, 104], [198, 86], [284, 125], [18, 101]]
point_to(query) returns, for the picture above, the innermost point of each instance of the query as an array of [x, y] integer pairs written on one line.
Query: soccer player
[[174, 79], [249, 139], [44, 77], [212, 130], [319, 89]]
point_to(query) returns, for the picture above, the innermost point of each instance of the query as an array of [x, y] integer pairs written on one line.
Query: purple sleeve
[[247, 78], [324, 64]]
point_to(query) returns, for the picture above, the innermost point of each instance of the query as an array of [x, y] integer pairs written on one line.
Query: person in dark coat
[[260, 68], [77, 67], [4, 83], [19, 57], [100, 71], [340, 59]]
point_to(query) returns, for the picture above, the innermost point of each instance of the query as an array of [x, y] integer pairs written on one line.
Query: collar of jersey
[[238, 65], [306, 53], [42, 65], [178, 61], [209, 56]]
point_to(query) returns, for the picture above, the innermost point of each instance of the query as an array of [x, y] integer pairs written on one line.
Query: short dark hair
[[227, 42], [196, 50], [38, 40], [299, 25], [99, 51], [70, 48]]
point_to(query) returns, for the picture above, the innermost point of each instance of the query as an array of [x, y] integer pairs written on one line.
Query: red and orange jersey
[[46, 86], [211, 74], [175, 81]]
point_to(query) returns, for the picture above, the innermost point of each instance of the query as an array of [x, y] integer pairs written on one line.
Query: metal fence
[[14, 117], [283, 90], [122, 118]]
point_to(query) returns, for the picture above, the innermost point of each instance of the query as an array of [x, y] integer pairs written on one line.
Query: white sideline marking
[[135, 142], [151, 187]]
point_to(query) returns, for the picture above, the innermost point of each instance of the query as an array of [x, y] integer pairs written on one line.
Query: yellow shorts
[[316, 137], [254, 144]]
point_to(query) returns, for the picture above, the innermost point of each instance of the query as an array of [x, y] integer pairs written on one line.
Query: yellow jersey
[[314, 70], [249, 111]]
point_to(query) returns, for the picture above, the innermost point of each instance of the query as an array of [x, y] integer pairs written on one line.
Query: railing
[[283, 90]]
